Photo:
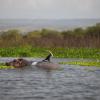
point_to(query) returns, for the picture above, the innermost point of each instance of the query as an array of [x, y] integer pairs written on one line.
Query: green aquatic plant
[[90, 53], [3, 66], [82, 63], [6, 67]]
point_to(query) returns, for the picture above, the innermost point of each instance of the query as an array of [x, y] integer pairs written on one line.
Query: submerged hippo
[[46, 63], [18, 63]]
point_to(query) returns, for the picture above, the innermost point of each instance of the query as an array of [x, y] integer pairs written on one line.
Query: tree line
[[80, 37]]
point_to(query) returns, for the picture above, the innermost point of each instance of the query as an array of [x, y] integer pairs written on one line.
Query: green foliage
[[93, 31], [49, 33], [82, 63], [58, 52], [6, 67], [79, 37], [33, 34], [79, 32], [11, 34], [67, 34]]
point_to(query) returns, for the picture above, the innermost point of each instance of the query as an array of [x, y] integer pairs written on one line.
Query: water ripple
[[71, 83]]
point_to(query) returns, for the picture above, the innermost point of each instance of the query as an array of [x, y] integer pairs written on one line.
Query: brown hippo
[[46, 63], [18, 63]]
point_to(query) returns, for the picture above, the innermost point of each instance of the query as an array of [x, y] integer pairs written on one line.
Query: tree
[[11, 35]]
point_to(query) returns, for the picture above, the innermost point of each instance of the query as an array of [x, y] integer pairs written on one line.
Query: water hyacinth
[[82, 63], [90, 53], [6, 67]]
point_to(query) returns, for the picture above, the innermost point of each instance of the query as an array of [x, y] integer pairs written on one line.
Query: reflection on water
[[71, 83]]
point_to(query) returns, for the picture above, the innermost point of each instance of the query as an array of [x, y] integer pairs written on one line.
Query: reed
[[78, 38]]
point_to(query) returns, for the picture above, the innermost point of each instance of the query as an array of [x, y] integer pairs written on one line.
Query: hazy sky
[[49, 9]]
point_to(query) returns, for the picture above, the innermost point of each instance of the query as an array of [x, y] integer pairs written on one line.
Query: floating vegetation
[[6, 67], [90, 53], [3, 66], [82, 63]]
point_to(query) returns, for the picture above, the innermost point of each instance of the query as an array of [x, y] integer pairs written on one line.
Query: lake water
[[71, 82]]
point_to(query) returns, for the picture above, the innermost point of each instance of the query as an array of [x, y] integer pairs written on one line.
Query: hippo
[[18, 63]]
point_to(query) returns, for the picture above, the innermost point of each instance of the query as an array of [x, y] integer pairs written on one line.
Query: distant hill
[[26, 25]]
